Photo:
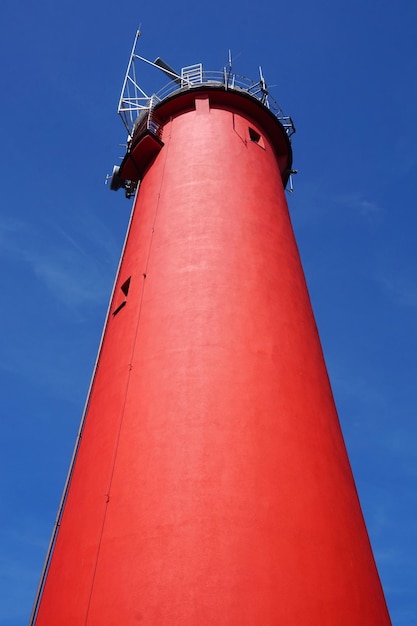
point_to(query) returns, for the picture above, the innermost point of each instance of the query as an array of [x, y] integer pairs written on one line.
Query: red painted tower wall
[[212, 484]]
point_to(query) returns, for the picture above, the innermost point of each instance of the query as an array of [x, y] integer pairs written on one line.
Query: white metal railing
[[134, 101], [131, 106], [147, 120]]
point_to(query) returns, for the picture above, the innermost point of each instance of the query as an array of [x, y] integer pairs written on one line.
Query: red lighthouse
[[210, 483]]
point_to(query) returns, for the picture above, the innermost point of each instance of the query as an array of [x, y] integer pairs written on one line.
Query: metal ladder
[[192, 75]]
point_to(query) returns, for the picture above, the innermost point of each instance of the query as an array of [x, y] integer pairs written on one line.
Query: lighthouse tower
[[210, 483]]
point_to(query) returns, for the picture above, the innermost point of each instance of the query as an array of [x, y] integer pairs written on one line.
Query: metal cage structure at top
[[134, 101]]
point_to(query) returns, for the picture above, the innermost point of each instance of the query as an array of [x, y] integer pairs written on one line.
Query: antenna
[[229, 71], [263, 89], [132, 97]]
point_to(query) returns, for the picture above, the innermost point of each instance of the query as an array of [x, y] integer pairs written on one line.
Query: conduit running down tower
[[210, 483]]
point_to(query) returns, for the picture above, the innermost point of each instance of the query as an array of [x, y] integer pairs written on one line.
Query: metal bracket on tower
[[290, 187], [116, 183]]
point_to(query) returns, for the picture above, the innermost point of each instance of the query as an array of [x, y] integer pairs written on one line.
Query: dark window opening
[[119, 308], [256, 137], [125, 286], [125, 290]]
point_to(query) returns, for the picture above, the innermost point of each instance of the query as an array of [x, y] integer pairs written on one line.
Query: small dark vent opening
[[254, 136], [125, 290], [125, 286], [119, 308]]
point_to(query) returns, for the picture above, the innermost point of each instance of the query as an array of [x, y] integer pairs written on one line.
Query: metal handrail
[[223, 79]]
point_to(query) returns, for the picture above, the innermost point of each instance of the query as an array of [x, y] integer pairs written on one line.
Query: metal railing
[[134, 101], [147, 120]]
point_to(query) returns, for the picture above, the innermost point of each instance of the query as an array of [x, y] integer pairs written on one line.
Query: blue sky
[[347, 74]]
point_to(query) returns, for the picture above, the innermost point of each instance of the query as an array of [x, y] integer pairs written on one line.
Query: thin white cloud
[[9, 228], [359, 203], [399, 288], [69, 281], [76, 265], [312, 201], [19, 572]]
